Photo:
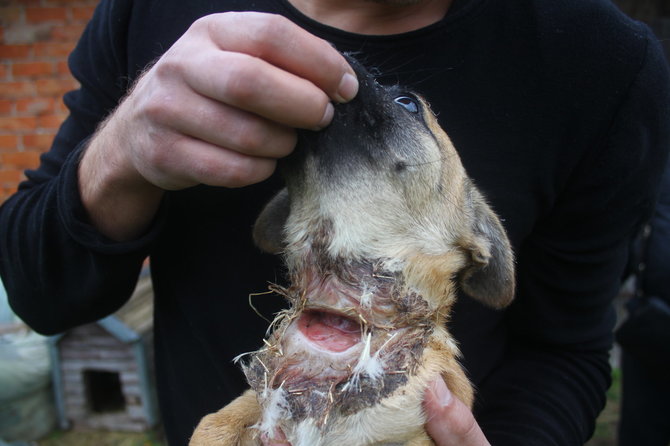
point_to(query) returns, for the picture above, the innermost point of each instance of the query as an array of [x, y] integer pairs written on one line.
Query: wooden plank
[[132, 390], [96, 354], [136, 413], [118, 422], [74, 393], [101, 365]]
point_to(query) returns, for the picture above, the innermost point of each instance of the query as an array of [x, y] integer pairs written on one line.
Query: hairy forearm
[[200, 115], [120, 203]]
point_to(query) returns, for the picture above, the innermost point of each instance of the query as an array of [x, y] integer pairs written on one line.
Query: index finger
[[284, 44]]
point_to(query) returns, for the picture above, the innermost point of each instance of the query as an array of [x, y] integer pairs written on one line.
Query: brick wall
[[36, 37]]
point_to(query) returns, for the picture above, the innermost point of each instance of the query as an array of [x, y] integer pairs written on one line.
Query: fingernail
[[327, 117], [348, 88], [441, 392]]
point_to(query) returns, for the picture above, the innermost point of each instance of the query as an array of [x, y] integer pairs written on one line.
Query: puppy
[[379, 226]]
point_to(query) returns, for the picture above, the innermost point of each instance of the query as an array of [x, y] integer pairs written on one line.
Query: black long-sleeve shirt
[[655, 279], [560, 111]]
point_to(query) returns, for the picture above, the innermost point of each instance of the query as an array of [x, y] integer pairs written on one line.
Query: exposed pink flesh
[[329, 331]]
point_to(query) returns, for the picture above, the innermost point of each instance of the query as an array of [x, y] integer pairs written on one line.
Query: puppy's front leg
[[229, 426], [422, 440]]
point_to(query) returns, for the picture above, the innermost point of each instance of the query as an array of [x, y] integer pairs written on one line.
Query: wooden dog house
[[102, 372]]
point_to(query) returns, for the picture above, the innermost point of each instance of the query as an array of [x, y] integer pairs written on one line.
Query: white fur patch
[[307, 433], [370, 365], [366, 296], [275, 410]]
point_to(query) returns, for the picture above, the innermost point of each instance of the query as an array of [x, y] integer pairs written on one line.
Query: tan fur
[[395, 250], [230, 425], [427, 273]]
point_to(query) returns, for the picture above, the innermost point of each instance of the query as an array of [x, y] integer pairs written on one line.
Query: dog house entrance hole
[[104, 391]]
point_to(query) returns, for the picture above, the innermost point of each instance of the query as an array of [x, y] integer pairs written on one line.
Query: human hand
[[450, 422], [220, 105], [218, 108]]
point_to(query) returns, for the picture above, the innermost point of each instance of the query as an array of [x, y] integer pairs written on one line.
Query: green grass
[[72, 438], [606, 427]]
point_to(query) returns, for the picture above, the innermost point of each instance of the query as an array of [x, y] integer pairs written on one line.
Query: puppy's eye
[[410, 104]]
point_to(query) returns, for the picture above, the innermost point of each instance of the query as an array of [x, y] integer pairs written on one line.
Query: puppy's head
[[383, 184]]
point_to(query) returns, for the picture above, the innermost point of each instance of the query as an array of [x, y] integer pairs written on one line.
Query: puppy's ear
[[268, 230], [490, 276]]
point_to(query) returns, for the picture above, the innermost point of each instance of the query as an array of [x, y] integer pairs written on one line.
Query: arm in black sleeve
[[551, 385], [655, 279], [58, 270]]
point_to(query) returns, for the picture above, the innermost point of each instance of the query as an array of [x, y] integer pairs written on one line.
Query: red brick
[[20, 160], [10, 177], [12, 90], [32, 69], [53, 49], [60, 108], [50, 121], [5, 193], [18, 123], [10, 15], [66, 33], [82, 13], [62, 68], [54, 87], [39, 141], [45, 14], [3, 71], [15, 52], [9, 141], [6, 107], [26, 34], [35, 106]]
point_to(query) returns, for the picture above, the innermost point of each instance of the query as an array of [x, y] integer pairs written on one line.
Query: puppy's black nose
[[362, 73], [356, 133]]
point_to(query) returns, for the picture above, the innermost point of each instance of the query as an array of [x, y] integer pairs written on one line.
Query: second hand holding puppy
[[218, 108], [450, 422]]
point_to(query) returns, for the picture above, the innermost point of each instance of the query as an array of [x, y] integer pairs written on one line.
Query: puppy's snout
[[379, 125]]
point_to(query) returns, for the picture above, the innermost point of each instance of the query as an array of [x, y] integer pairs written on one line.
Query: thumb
[[450, 422]]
